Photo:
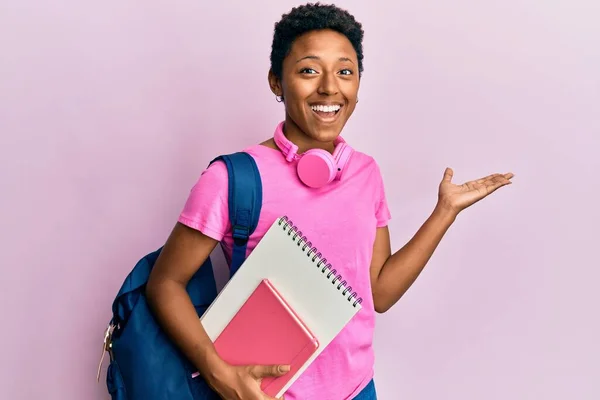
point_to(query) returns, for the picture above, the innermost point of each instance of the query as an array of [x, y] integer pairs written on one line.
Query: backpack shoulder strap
[[245, 202]]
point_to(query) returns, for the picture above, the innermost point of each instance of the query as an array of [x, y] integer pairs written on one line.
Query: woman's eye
[[308, 71], [346, 72]]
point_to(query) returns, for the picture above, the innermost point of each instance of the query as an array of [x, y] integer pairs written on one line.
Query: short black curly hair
[[309, 17]]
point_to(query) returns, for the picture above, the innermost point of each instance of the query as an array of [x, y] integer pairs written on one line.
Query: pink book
[[266, 331]]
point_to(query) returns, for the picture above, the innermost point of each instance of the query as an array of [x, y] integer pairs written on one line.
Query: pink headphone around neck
[[316, 167]]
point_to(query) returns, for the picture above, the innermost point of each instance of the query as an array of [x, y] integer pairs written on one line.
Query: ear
[[275, 84]]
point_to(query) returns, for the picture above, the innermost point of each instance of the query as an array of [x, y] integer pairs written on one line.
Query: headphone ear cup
[[316, 168], [341, 155]]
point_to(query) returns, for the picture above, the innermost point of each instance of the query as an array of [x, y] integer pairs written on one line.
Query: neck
[[302, 140]]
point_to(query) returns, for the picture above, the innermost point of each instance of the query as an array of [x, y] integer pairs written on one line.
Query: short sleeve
[[206, 208], [382, 211]]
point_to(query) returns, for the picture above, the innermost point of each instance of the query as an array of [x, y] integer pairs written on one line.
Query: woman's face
[[320, 86]]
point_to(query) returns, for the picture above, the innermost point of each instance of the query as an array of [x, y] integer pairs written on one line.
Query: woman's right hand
[[243, 382]]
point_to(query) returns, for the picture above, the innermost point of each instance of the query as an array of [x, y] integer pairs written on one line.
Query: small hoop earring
[[279, 99]]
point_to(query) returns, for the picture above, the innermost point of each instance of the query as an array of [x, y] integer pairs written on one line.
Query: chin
[[326, 129], [324, 134]]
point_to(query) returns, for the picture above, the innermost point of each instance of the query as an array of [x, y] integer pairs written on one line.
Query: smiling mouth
[[326, 113]]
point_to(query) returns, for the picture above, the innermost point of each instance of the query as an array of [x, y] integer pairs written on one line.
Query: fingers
[[262, 371], [506, 176], [448, 174], [487, 178], [503, 179], [496, 183]]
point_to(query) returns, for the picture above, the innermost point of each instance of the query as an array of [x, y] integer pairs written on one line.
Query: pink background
[[109, 111]]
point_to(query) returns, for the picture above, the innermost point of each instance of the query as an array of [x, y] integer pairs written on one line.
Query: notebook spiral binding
[[321, 262]]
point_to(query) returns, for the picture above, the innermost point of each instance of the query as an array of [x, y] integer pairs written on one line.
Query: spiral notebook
[[322, 300]]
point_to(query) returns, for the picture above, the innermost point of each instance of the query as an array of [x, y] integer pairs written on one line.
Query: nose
[[328, 84]]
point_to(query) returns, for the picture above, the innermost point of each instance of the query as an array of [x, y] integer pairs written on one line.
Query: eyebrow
[[318, 58]]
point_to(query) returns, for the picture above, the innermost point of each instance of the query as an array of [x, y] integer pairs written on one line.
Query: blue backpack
[[144, 363]]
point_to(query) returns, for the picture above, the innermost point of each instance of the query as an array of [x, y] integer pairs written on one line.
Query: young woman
[[316, 65]]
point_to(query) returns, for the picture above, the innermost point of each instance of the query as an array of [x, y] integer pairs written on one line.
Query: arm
[[184, 252], [393, 274]]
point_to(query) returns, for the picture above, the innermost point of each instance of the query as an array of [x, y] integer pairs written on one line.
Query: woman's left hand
[[458, 197]]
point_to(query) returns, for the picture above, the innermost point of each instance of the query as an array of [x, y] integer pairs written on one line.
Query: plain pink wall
[[109, 111]]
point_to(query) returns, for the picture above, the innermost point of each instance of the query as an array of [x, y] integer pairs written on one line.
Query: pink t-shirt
[[340, 220]]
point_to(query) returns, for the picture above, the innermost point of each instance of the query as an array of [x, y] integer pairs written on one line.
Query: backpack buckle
[[106, 346], [241, 232]]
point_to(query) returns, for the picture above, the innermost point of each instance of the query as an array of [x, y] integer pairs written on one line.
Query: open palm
[[459, 197]]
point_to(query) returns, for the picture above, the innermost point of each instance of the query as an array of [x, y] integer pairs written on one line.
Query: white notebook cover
[[323, 306]]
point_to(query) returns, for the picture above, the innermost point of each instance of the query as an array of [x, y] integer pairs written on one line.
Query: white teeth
[[326, 108]]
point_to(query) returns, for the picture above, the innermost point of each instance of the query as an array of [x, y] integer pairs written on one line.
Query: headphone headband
[[288, 148], [315, 167]]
